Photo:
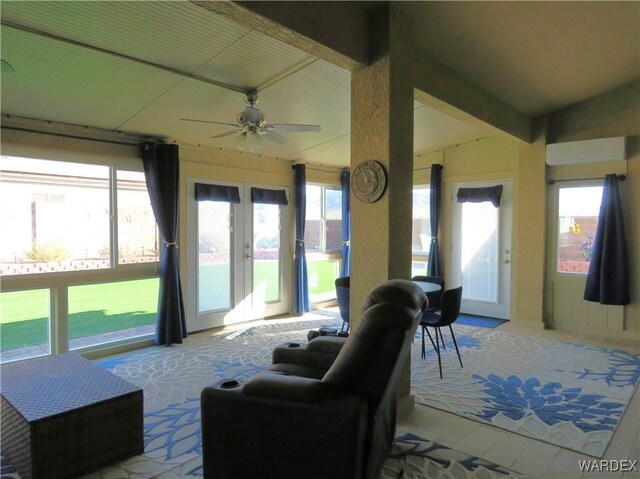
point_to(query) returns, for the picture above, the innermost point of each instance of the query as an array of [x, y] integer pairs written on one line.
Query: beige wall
[[616, 113], [538, 298]]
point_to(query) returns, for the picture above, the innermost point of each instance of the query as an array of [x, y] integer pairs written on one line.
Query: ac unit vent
[[602, 149]]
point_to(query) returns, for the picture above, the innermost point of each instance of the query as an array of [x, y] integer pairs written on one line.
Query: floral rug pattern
[[567, 394]]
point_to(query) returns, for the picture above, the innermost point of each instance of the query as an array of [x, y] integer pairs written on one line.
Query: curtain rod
[[323, 171], [76, 137], [552, 181]]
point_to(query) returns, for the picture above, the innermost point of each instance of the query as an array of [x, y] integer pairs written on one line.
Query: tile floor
[[529, 456]]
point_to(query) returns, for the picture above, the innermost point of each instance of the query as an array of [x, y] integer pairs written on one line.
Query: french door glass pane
[[578, 210], [107, 312], [479, 251], [137, 232], [266, 253], [24, 324], [214, 256]]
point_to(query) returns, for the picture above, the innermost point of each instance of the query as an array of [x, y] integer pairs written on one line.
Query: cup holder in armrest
[[294, 345], [229, 384]]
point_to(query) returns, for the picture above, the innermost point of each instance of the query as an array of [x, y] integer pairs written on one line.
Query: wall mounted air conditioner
[[602, 149]]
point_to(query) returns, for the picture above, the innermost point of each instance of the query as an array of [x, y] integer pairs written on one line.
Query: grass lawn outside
[[109, 307], [93, 309]]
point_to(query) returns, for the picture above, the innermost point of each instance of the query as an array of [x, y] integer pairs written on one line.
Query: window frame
[[58, 282], [323, 219], [419, 257], [586, 183]]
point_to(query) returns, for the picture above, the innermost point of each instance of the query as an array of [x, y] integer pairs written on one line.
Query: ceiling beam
[[439, 87], [337, 32]]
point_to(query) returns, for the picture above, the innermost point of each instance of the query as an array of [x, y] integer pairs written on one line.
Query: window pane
[[266, 253], [479, 251], [107, 312], [214, 253], [137, 232], [59, 216], [322, 277], [313, 223], [418, 268], [421, 235], [24, 324], [333, 219], [578, 210]]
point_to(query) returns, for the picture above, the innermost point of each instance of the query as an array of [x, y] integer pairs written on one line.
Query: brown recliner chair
[[302, 420]]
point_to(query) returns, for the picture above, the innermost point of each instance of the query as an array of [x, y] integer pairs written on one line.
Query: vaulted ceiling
[[139, 67]]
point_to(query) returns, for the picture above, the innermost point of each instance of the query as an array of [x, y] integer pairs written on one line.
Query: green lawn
[[93, 309], [104, 308], [322, 276]]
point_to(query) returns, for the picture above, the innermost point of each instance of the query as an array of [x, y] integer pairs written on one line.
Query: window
[[578, 209], [323, 240], [421, 231], [85, 229]]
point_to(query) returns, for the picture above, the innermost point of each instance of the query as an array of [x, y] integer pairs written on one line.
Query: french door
[[481, 252], [237, 263]]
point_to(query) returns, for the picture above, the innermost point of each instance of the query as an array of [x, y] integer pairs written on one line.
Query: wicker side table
[[63, 417]]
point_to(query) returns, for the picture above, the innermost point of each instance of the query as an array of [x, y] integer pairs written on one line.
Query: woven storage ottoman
[[63, 417]]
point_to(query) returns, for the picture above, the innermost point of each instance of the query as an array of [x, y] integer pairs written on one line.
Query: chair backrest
[[450, 306], [434, 298], [343, 294], [371, 359]]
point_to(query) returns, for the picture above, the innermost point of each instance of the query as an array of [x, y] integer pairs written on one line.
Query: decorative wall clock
[[368, 181]]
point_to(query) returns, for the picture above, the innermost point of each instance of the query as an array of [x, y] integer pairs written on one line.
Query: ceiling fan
[[251, 127]]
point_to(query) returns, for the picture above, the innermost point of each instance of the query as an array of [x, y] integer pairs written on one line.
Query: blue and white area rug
[[173, 378], [567, 394]]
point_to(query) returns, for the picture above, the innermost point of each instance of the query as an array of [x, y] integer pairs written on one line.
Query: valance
[[269, 197], [480, 195], [229, 194]]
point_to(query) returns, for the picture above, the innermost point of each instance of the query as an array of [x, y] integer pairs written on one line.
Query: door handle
[[247, 256], [506, 261]]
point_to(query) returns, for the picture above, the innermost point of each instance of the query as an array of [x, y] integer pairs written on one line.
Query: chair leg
[[456, 345], [441, 337], [430, 338], [438, 352], [424, 355], [342, 328]]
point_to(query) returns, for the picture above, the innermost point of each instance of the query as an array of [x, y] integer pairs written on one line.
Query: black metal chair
[[449, 311], [434, 298], [343, 294]]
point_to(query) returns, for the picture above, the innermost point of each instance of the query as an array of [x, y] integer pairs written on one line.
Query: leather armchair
[[312, 416]]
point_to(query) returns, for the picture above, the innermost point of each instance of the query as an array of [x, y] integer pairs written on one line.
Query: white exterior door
[[237, 264], [481, 252]]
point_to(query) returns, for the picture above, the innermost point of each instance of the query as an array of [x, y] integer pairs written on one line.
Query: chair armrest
[[318, 353]]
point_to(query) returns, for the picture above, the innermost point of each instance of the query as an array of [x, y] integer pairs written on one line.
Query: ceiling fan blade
[[285, 127], [269, 135], [240, 141], [207, 121], [228, 133]]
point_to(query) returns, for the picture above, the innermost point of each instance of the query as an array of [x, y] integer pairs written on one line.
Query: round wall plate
[[368, 181]]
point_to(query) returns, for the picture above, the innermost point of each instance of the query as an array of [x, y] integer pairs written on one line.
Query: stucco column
[[382, 130], [530, 230]]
